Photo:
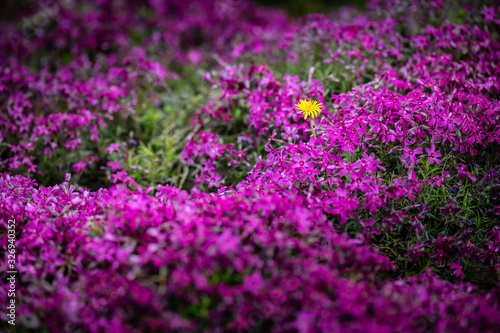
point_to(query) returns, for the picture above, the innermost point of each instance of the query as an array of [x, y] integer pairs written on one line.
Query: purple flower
[[450, 209], [114, 165], [433, 155], [113, 147], [369, 229], [290, 133], [213, 180], [411, 154], [457, 269], [416, 252], [463, 172]]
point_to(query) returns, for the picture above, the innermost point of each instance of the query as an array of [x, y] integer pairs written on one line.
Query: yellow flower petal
[[309, 108]]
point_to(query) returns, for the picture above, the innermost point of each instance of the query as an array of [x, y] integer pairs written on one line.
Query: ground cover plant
[[213, 166]]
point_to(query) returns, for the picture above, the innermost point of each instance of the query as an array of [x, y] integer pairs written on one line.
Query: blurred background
[[297, 8], [10, 9]]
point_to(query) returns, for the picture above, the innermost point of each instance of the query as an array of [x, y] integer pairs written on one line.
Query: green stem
[[312, 127]]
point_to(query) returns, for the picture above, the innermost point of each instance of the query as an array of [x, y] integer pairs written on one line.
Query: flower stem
[[312, 127]]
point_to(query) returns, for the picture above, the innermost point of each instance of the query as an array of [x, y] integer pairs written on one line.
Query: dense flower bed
[[380, 214], [118, 260]]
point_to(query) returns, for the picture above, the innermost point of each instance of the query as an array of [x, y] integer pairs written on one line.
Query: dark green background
[[297, 8]]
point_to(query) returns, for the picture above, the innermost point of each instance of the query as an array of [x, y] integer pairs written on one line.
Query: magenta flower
[[463, 172], [290, 133], [309, 172], [457, 269], [433, 155], [80, 166], [113, 147], [213, 180], [415, 252], [451, 209], [114, 165], [369, 229], [411, 154]]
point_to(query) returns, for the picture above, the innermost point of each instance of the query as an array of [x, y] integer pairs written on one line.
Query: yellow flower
[[309, 108]]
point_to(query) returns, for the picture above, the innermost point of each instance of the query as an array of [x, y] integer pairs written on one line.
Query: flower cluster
[[59, 105], [249, 259]]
